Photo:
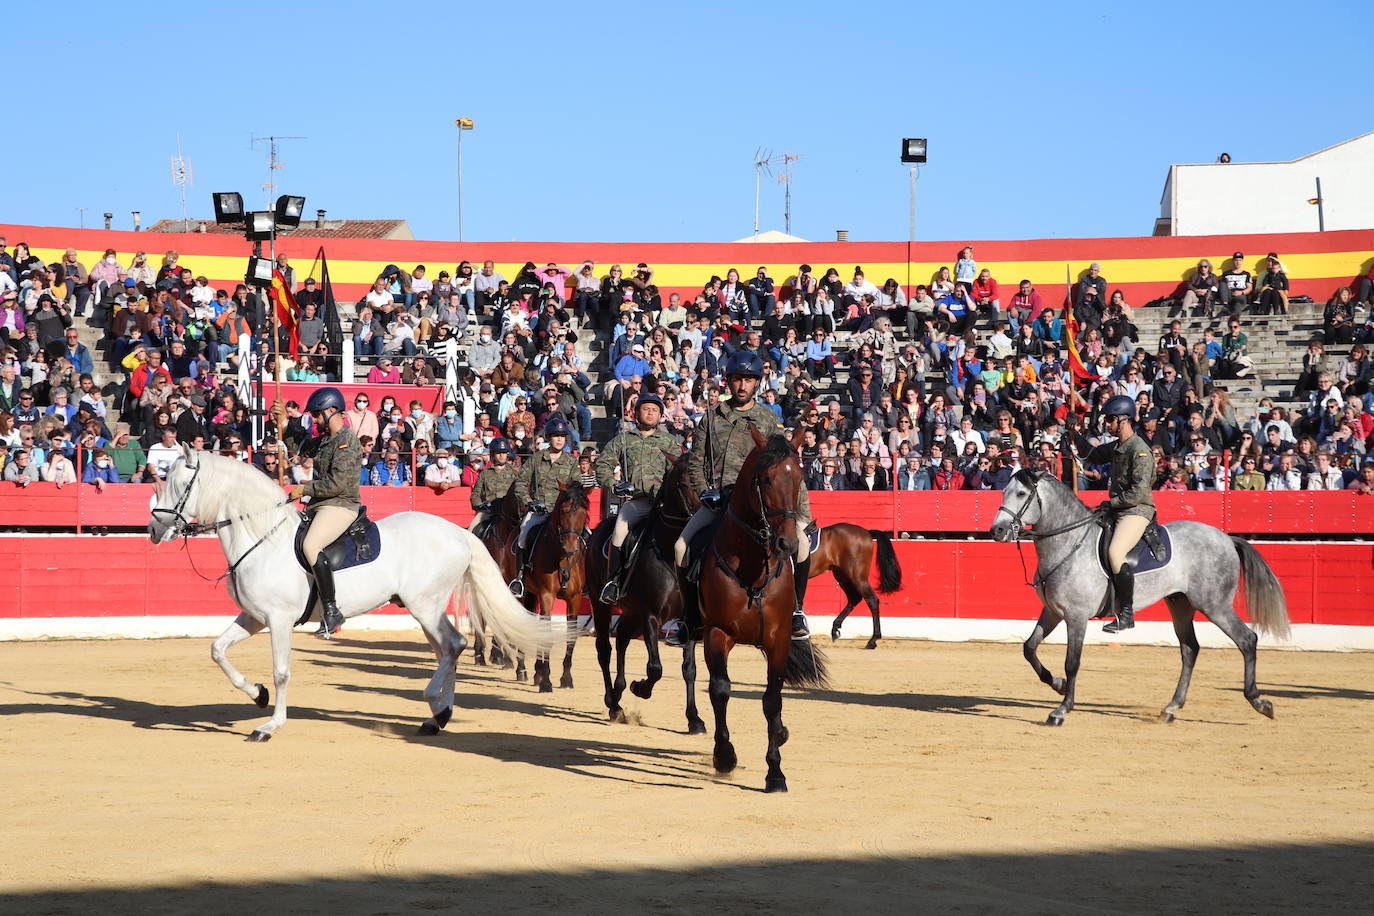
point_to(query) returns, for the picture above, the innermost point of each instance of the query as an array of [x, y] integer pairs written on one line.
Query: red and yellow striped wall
[[1143, 268]]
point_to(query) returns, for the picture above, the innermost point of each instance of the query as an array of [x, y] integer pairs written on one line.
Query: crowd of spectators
[[956, 385]]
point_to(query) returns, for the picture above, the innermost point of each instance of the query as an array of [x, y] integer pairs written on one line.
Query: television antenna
[[181, 178], [273, 163], [785, 179]]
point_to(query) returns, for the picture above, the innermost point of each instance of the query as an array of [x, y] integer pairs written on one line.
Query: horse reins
[[1018, 529]]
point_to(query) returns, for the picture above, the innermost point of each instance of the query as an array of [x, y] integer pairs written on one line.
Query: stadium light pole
[[913, 153], [463, 124]]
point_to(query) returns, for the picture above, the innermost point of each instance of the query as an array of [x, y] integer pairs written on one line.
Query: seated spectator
[[1236, 286], [1048, 326], [443, 475], [1364, 483], [1176, 481], [165, 453], [20, 471], [390, 471], [870, 476], [1272, 288], [760, 294], [948, 476], [417, 372], [1250, 477], [384, 373], [1284, 477], [913, 474], [1091, 288], [829, 477], [1202, 290]]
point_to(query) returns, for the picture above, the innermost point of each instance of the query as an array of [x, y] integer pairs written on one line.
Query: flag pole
[[278, 415], [1070, 347]]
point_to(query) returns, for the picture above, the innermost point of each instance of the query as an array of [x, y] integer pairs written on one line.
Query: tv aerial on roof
[[764, 160]]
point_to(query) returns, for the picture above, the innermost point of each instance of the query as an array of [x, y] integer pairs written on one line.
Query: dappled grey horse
[[1204, 573]]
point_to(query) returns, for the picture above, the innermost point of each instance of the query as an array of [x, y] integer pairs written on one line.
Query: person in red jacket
[[985, 295], [948, 477]]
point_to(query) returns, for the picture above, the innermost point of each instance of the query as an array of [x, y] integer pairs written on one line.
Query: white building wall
[[1259, 197]]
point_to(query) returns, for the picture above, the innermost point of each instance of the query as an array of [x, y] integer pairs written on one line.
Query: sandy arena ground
[[922, 781]]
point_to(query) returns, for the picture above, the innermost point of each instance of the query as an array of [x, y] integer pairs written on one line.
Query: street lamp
[[913, 152], [463, 124]]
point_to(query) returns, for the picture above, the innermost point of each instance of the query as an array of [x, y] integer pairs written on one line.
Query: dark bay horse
[[498, 533], [651, 595], [747, 595], [847, 551]]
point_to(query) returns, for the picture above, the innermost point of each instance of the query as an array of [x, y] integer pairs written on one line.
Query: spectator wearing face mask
[[361, 420], [443, 475], [484, 354], [448, 428]]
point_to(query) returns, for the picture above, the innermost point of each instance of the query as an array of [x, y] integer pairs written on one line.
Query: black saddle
[[1154, 551], [360, 544], [699, 546]]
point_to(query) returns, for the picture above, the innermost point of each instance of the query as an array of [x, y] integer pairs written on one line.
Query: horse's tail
[[889, 570], [806, 665], [491, 605], [1264, 600]]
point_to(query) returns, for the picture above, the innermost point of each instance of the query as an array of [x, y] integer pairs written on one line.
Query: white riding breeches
[[527, 524], [705, 516], [630, 514]]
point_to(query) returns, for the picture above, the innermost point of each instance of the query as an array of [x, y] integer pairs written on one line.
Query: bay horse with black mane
[[650, 596], [847, 551], [748, 595], [555, 571]]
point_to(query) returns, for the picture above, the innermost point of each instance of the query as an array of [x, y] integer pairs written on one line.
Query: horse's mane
[[233, 489], [777, 448], [1057, 489], [574, 497]]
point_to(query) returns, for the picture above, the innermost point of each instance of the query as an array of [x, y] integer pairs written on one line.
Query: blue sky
[[639, 122]]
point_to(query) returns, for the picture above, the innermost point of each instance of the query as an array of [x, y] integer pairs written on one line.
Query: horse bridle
[[1018, 528], [184, 528], [764, 532]]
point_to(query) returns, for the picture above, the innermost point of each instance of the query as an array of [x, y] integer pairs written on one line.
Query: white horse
[[424, 560]]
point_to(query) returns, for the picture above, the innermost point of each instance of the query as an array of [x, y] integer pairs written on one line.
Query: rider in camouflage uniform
[[544, 474], [493, 482], [334, 496], [719, 448], [644, 455], [1133, 473]]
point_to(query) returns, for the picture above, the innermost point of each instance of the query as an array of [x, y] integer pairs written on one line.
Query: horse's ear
[[189, 454], [759, 438], [798, 435]]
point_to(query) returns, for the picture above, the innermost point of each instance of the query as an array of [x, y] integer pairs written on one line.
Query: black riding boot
[[1125, 602], [801, 575], [610, 593], [677, 633], [331, 621]]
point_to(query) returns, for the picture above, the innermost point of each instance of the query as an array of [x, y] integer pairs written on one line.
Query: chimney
[[319, 219], [841, 235], [137, 225], [108, 218]]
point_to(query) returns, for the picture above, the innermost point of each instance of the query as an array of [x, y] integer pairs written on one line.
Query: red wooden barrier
[[129, 576]]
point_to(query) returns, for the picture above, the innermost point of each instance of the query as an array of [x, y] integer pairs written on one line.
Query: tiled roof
[[334, 228]]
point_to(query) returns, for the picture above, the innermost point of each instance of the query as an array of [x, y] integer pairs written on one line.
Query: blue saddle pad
[[1142, 559], [814, 535], [359, 545]]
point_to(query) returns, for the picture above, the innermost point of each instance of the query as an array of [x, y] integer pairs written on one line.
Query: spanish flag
[[1080, 371], [285, 304], [1314, 200]]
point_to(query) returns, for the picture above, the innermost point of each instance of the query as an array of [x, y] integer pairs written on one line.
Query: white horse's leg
[[242, 628], [280, 632], [448, 644]]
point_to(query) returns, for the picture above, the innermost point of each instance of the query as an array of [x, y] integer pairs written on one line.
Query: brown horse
[[847, 551], [651, 596], [556, 571], [747, 595], [498, 533]]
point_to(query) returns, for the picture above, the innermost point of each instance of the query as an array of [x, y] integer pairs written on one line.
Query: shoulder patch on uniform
[[343, 445]]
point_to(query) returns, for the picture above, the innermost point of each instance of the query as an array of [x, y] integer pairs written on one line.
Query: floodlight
[[259, 272], [289, 210], [261, 225], [914, 149], [228, 208]]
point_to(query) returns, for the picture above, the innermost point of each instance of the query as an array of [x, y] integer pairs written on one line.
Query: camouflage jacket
[[493, 483], [338, 462], [722, 442], [542, 476], [643, 460], [1133, 473]]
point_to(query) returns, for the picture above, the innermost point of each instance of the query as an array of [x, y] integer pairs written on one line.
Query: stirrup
[[517, 585], [610, 593], [331, 622], [1124, 621], [675, 633]]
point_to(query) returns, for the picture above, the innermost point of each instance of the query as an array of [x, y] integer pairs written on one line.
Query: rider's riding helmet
[[745, 362], [323, 399], [1120, 406], [501, 447], [557, 427], [648, 399]]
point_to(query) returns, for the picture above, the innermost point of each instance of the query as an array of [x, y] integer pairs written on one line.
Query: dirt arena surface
[[923, 780]]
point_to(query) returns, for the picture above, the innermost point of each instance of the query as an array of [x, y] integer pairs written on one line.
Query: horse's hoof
[[724, 760], [427, 728], [1264, 708], [834, 634], [696, 727], [1057, 685], [872, 644], [641, 689], [521, 677], [1167, 717], [262, 697], [1056, 718], [565, 681], [442, 717], [775, 784], [479, 661], [618, 716], [257, 737], [545, 687]]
